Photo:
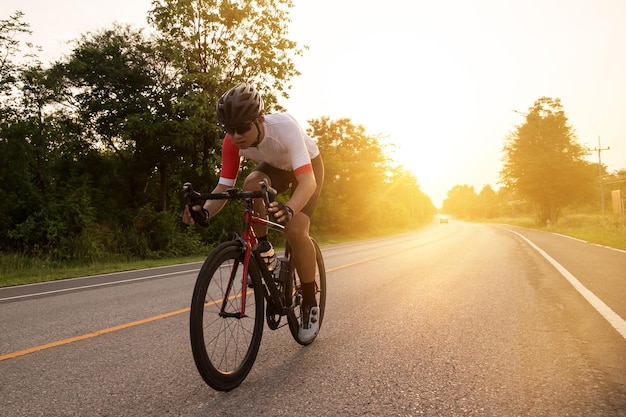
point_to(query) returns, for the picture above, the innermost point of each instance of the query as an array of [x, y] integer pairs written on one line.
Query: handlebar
[[267, 193]]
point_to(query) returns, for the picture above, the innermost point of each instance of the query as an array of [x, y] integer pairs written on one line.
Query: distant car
[[443, 219]]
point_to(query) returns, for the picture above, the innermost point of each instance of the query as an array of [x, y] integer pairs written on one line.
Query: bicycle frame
[[225, 332], [248, 239]]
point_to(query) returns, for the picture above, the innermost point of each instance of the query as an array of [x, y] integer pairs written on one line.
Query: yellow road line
[[151, 319], [90, 335], [337, 268]]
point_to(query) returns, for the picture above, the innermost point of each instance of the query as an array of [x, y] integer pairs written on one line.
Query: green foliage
[[462, 202], [544, 163], [488, 204], [362, 190], [609, 230], [77, 162], [9, 50], [229, 41], [95, 148]]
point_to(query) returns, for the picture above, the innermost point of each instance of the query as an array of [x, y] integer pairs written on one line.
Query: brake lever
[[190, 194], [187, 188], [268, 194]]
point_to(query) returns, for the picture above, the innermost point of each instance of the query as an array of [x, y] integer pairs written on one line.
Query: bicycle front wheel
[[224, 341]]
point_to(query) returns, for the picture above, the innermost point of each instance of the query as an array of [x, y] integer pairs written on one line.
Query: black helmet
[[240, 104]]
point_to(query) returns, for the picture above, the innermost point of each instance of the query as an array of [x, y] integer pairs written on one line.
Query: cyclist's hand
[[196, 214], [281, 212]]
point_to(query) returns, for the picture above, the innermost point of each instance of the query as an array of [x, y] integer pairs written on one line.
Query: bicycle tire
[[225, 348], [293, 287]]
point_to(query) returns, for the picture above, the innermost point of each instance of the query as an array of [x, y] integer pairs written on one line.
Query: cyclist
[[288, 158]]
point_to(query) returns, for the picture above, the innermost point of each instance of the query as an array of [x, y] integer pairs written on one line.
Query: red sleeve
[[230, 162], [303, 169]]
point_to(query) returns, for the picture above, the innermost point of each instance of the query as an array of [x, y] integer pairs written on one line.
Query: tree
[[544, 162], [403, 196], [229, 41], [461, 201], [354, 167], [217, 44], [23, 142], [127, 106], [488, 203], [362, 190], [9, 50]]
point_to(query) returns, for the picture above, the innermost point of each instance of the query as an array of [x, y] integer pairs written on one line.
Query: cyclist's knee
[[298, 227], [252, 181]]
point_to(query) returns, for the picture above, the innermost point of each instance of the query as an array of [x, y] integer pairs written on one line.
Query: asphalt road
[[456, 319]]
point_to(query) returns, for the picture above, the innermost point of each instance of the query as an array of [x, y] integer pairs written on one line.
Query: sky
[[439, 80]]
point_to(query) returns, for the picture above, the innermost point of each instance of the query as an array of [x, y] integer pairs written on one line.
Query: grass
[[606, 230], [17, 269]]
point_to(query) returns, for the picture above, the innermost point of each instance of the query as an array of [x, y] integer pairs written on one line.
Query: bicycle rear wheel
[[295, 301], [225, 345]]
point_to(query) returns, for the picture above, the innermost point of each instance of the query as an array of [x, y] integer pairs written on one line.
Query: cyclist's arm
[[214, 206], [302, 168], [228, 175]]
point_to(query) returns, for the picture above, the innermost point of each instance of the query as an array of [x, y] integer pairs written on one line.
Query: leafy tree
[[488, 203], [126, 107], [354, 168], [50, 206], [10, 49], [362, 191], [461, 202], [229, 41], [24, 141], [100, 142], [403, 197], [544, 162], [217, 44]]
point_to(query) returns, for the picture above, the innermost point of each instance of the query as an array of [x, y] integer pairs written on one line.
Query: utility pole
[[599, 149]]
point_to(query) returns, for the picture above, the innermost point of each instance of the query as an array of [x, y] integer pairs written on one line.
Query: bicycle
[[227, 308]]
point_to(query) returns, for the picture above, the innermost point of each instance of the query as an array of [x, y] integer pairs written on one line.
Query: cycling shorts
[[283, 181]]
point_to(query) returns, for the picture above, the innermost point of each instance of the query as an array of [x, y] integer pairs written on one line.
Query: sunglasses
[[240, 128]]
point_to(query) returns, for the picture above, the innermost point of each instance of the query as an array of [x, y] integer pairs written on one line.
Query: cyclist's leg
[[251, 183], [303, 253], [278, 179], [304, 257], [298, 229]]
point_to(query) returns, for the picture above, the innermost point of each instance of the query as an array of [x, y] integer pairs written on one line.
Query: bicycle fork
[[247, 251], [272, 294]]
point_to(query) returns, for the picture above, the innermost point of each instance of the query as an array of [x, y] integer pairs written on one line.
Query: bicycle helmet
[[240, 104]]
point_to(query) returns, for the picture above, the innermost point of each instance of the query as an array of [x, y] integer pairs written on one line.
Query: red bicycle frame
[[249, 240]]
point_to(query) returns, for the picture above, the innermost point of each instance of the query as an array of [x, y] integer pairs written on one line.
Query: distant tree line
[[94, 148], [544, 172]]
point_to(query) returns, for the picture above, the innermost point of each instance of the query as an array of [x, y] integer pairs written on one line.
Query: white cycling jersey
[[285, 146]]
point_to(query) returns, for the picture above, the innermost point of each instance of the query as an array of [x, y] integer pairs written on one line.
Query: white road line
[[104, 284], [613, 318]]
